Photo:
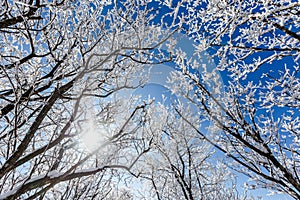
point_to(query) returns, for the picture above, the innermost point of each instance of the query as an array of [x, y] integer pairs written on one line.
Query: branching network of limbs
[[55, 55], [67, 61], [256, 116]]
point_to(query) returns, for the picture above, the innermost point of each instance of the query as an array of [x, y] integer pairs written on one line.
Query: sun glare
[[92, 136]]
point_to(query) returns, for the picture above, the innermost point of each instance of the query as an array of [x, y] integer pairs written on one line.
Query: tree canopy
[[70, 129]]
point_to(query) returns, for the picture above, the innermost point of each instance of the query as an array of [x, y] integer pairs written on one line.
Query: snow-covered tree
[[68, 131], [180, 163], [60, 123], [251, 97]]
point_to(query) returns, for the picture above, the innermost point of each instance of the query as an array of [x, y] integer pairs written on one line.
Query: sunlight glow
[[92, 135]]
